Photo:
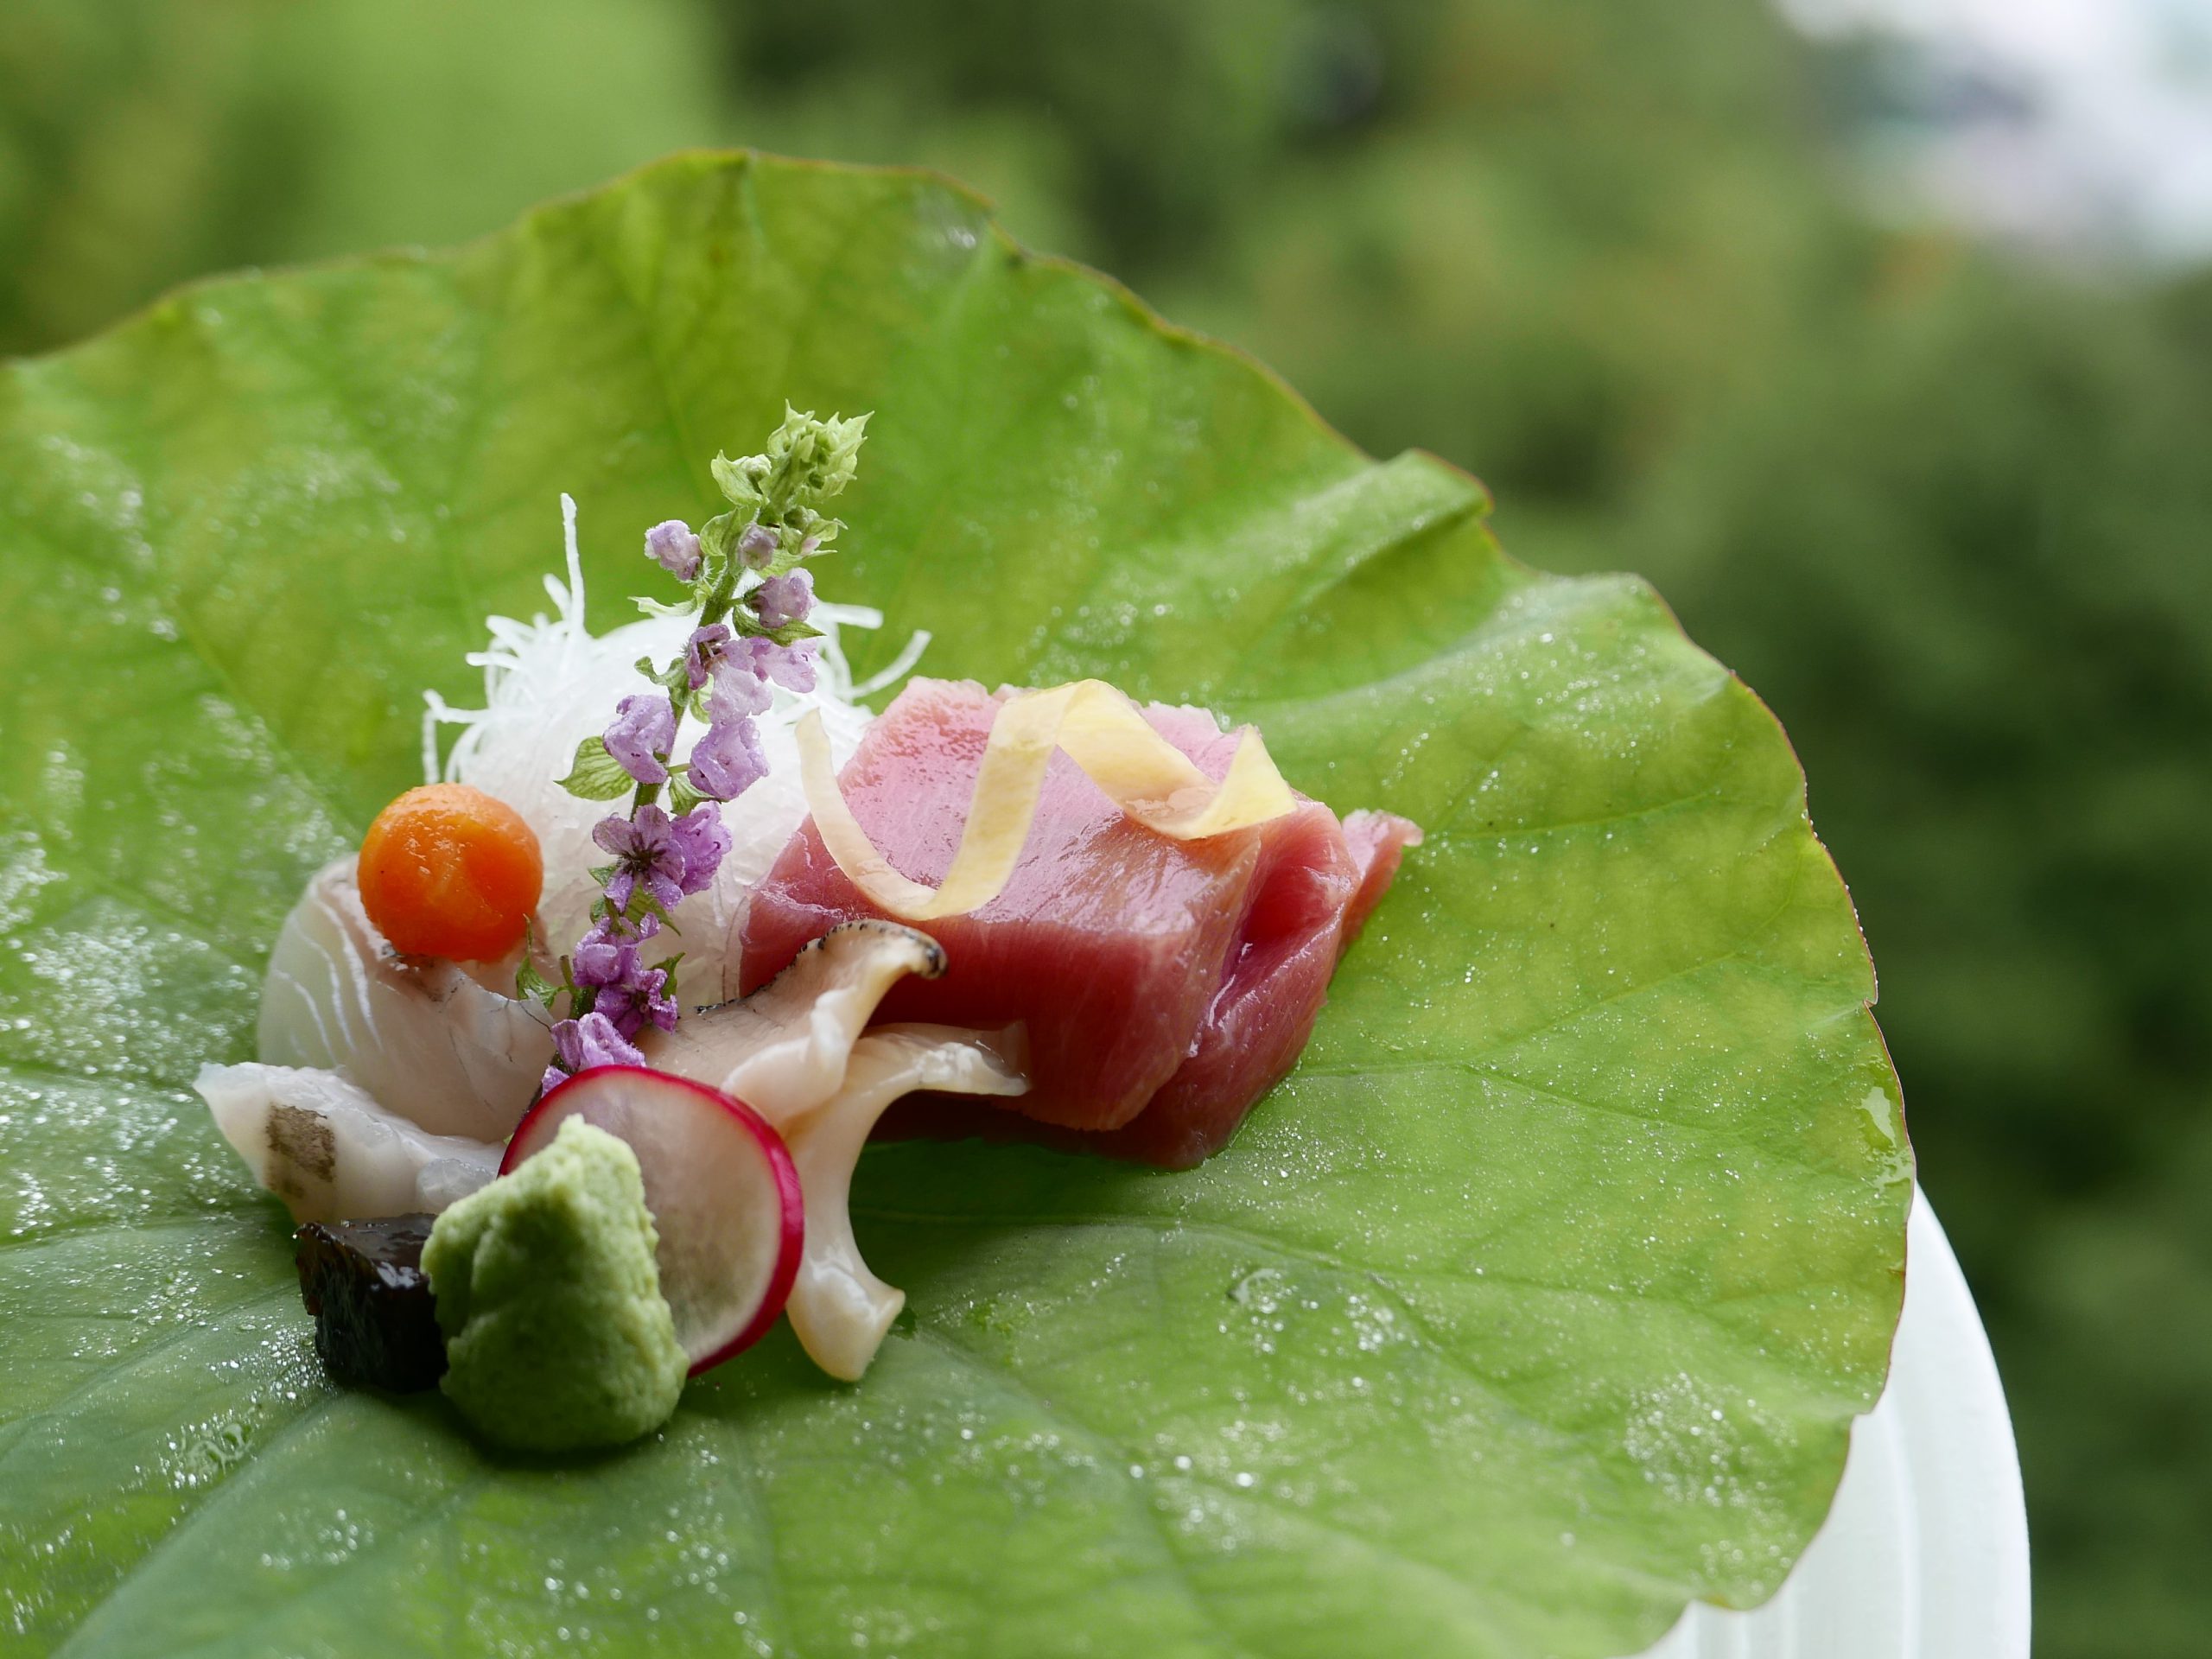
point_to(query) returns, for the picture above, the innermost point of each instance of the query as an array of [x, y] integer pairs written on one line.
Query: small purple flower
[[608, 954], [702, 839], [643, 730], [637, 1002], [645, 851], [610, 971], [793, 666], [757, 547], [739, 691], [785, 598], [671, 545], [579, 1044], [727, 760], [701, 651], [790, 666]]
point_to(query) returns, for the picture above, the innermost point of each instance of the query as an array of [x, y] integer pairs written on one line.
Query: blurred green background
[[1944, 501]]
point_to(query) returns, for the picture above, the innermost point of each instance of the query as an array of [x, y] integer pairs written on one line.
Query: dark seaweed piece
[[375, 1325]]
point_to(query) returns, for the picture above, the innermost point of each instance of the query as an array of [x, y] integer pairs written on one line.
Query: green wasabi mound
[[556, 1336]]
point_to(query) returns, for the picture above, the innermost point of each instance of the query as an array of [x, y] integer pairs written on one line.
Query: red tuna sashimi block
[[1165, 985], [1315, 883]]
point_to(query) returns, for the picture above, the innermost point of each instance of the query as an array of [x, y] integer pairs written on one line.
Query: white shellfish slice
[[839, 1309], [798, 1052], [783, 1050]]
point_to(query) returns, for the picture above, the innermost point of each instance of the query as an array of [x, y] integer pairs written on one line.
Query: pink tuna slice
[[1165, 985]]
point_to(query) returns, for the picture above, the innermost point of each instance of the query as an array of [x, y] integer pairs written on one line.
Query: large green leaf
[[1535, 1304]]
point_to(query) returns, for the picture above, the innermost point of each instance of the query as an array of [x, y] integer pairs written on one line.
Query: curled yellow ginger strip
[[1140, 772]]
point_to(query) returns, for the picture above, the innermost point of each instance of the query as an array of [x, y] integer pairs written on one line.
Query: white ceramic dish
[[1925, 1554]]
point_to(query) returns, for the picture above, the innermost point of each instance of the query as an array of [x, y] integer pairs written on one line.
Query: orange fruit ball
[[448, 871]]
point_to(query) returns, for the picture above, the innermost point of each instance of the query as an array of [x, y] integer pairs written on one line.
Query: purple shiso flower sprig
[[608, 954], [581, 1043], [702, 839], [701, 651], [642, 999], [643, 733], [781, 600], [751, 600], [671, 858], [611, 967], [671, 545], [728, 759]]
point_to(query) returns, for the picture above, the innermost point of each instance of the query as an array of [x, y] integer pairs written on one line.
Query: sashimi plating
[[684, 927]]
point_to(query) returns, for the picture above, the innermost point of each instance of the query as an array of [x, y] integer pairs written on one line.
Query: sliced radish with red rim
[[721, 1187]]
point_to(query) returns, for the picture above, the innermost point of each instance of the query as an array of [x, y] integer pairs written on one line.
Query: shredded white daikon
[[549, 683]]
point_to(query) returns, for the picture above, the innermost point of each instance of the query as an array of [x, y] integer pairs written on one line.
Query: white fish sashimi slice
[[425, 1040], [322, 1144]]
